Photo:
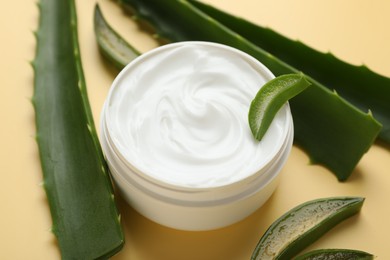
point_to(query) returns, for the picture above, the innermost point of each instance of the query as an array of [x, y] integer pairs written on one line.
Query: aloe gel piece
[[304, 224], [270, 98], [333, 254]]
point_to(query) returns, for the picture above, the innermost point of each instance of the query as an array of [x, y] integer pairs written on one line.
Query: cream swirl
[[180, 115]]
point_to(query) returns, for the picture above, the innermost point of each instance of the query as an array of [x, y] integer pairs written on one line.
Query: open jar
[[176, 136]]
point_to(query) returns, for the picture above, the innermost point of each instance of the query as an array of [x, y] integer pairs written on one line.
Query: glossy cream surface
[[179, 115]]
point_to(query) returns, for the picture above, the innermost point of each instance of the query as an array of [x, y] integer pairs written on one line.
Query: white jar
[[175, 135]]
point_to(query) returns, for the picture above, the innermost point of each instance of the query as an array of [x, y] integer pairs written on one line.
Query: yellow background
[[354, 30]]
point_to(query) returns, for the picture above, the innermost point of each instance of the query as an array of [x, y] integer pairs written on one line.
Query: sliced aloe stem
[[302, 225], [111, 44], [335, 254], [270, 98], [76, 181], [332, 131], [357, 84]]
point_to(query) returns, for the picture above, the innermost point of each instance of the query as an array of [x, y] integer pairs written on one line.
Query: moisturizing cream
[[176, 136]]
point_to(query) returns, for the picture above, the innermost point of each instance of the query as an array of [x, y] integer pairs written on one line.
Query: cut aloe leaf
[[304, 224], [76, 180], [111, 44], [332, 131], [362, 87], [270, 98], [335, 254]]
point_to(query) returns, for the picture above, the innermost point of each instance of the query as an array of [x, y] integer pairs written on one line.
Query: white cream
[[179, 116], [175, 135]]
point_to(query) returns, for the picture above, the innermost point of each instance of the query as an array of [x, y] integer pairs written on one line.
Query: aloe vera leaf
[[302, 225], [111, 44], [358, 84], [270, 98], [332, 131], [76, 181], [332, 254]]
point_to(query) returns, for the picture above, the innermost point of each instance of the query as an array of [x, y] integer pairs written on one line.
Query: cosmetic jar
[[176, 137]]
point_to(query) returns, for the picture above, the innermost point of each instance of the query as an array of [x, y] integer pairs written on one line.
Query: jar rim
[[138, 169], [194, 197]]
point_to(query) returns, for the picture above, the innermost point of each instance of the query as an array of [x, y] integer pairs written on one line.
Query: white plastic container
[[148, 126]]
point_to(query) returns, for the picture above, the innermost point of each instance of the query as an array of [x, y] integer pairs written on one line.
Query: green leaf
[[111, 44], [304, 224], [359, 85], [76, 180], [335, 254], [270, 98], [332, 131]]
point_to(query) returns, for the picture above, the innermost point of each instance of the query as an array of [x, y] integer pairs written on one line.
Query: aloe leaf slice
[[359, 85], [270, 98], [332, 131], [111, 44], [333, 254], [76, 181], [302, 225]]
